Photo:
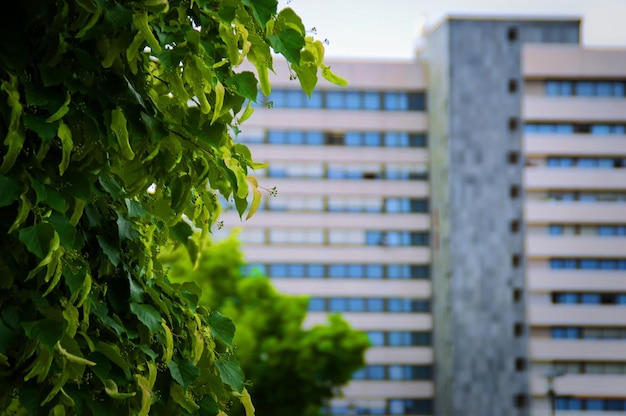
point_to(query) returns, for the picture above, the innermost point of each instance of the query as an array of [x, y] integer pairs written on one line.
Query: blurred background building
[[467, 210]]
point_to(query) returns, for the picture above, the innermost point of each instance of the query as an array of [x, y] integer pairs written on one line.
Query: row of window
[[400, 338], [335, 237], [585, 367], [571, 196], [589, 298], [394, 305], [567, 128], [588, 264], [601, 230], [394, 372], [595, 404], [346, 171], [345, 100], [586, 88], [349, 138], [586, 162], [369, 204], [393, 407], [341, 271], [589, 333]]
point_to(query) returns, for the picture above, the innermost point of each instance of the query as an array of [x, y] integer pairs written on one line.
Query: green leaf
[[125, 229], [178, 395], [263, 10], [119, 129], [37, 238], [66, 231], [184, 372], [222, 328], [136, 291], [110, 185], [332, 77], [135, 209], [244, 84], [111, 389], [231, 373], [112, 352], [65, 107], [9, 190], [289, 43], [148, 316], [46, 331], [45, 131], [112, 252], [141, 22], [181, 232]]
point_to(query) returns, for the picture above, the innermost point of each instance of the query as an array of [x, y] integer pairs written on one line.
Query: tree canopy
[[292, 370], [117, 120]]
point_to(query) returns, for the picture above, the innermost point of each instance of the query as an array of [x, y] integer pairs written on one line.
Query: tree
[[118, 119], [292, 370]]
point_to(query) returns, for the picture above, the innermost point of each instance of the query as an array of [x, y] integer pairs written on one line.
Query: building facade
[[350, 226], [467, 210]]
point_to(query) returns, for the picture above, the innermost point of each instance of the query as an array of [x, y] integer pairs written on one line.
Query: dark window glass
[[315, 101], [371, 100], [377, 338], [375, 305], [276, 137], [335, 99], [317, 305], [294, 99], [337, 304]]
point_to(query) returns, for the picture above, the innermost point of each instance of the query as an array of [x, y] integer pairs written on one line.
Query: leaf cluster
[[117, 120]]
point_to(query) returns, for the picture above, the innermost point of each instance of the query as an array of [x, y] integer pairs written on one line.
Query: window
[[518, 329], [517, 294], [513, 124], [317, 305], [516, 260], [513, 86], [514, 191], [513, 158], [520, 364], [515, 226], [521, 401], [512, 34]]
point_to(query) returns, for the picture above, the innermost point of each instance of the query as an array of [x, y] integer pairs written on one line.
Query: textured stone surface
[[470, 63]]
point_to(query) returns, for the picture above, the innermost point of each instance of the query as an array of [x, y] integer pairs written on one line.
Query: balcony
[[311, 119], [399, 355], [385, 389], [576, 350], [346, 187], [582, 385], [575, 178], [535, 144], [354, 287], [577, 315], [329, 153], [575, 212], [330, 255], [546, 280], [571, 61], [382, 321], [575, 246], [580, 109], [332, 221]]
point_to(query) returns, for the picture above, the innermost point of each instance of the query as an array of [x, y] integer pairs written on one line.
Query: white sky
[[388, 29]]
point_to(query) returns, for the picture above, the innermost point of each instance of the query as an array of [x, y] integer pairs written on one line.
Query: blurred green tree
[[292, 369]]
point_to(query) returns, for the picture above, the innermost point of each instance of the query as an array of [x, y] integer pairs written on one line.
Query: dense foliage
[[292, 370], [116, 119]]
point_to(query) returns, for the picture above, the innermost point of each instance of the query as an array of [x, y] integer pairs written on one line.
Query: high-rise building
[[509, 138]]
